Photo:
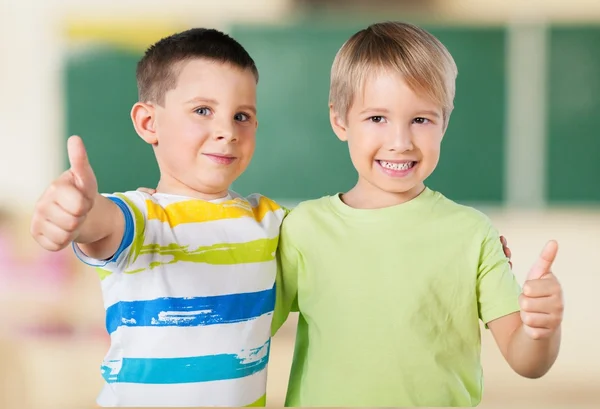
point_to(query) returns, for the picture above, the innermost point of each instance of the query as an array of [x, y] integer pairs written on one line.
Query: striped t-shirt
[[189, 299]]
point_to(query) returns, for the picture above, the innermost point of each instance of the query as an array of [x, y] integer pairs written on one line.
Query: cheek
[[362, 154], [247, 143], [430, 145], [362, 148], [191, 135]]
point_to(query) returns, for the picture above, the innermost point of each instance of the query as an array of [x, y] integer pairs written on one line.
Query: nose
[[225, 131], [401, 140]]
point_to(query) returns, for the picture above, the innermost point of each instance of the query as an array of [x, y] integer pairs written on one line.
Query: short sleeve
[[497, 288], [131, 206], [286, 284]]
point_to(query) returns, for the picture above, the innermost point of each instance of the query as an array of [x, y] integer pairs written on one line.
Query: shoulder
[[261, 205], [138, 203], [308, 211], [256, 199], [466, 218], [132, 196]]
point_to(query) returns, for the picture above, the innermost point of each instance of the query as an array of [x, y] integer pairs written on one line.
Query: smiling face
[[394, 137], [204, 132]]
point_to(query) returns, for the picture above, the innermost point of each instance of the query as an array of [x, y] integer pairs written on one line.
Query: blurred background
[[523, 146]]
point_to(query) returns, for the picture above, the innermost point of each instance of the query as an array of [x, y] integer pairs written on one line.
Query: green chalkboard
[[573, 160], [299, 157], [100, 90], [471, 168]]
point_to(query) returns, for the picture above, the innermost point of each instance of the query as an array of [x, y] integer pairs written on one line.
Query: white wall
[[28, 85]]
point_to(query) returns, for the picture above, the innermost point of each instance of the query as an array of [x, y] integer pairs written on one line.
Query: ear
[[143, 117], [337, 124]]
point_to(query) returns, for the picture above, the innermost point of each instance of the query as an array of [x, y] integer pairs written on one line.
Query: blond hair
[[423, 61]]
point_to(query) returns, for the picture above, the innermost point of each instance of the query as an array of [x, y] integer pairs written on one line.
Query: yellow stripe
[[130, 34], [265, 206], [261, 402], [198, 211]]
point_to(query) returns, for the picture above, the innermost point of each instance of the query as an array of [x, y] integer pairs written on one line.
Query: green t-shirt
[[390, 301]]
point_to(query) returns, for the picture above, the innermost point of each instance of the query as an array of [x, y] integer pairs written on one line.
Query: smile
[[406, 165]]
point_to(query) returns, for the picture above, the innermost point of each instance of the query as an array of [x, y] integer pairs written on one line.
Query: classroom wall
[[533, 132]]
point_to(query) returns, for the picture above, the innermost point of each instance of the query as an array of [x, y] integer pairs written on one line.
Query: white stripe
[[185, 279], [231, 393], [179, 342], [525, 173]]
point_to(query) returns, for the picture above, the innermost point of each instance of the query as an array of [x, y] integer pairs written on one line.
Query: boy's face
[[394, 136], [205, 132]]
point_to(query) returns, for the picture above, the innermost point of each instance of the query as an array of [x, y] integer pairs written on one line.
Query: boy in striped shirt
[[187, 273]]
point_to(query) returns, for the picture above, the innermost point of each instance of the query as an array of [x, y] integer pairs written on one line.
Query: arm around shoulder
[[286, 283]]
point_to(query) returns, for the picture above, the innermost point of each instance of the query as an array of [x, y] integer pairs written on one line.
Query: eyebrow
[[250, 108], [432, 113], [387, 111], [205, 100], [378, 110]]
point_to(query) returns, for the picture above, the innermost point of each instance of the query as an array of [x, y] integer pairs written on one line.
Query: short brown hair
[[422, 59], [156, 71]]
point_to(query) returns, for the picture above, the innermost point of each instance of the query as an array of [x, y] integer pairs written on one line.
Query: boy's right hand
[[63, 207]]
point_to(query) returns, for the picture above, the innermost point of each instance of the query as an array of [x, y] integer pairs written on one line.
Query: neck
[[364, 195], [172, 186]]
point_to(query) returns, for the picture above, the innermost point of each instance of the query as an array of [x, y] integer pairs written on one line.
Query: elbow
[[532, 373]]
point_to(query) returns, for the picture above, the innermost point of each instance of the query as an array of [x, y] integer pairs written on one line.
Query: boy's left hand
[[541, 301]]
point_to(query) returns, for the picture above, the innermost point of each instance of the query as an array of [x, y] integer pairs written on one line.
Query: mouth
[[221, 159], [397, 168]]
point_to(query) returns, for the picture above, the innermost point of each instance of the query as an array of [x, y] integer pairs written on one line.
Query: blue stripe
[[125, 241], [187, 370], [190, 312], [129, 227]]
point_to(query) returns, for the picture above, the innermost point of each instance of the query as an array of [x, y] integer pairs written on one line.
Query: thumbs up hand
[[541, 301], [81, 171], [63, 207]]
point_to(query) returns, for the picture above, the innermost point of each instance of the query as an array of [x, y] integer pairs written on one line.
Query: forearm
[[101, 233], [532, 358]]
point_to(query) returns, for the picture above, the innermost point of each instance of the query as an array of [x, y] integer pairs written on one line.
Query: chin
[[396, 189], [212, 188]]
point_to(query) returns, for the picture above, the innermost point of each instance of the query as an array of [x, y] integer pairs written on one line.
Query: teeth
[[396, 166]]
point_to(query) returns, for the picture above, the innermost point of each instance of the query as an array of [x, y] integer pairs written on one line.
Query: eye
[[421, 121], [203, 111], [377, 119], [241, 117]]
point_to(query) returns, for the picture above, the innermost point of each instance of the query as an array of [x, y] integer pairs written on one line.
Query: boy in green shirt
[[392, 278]]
